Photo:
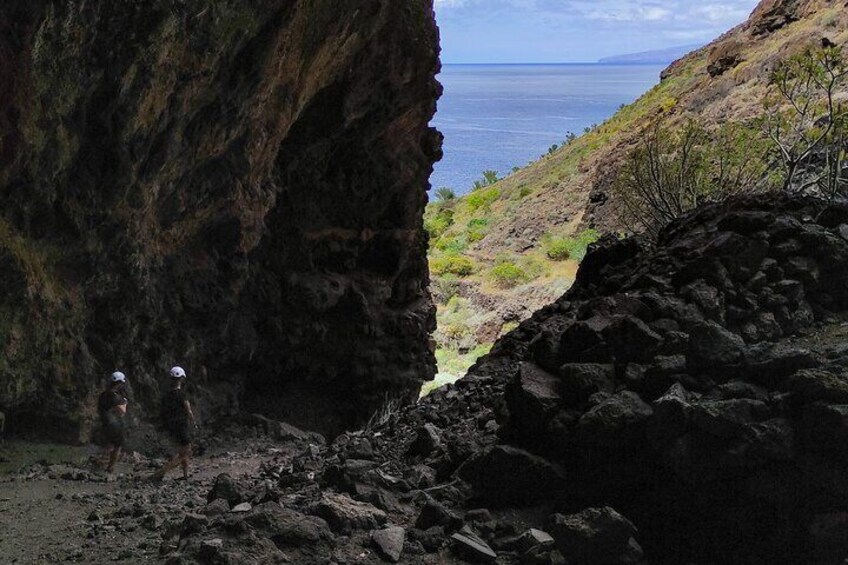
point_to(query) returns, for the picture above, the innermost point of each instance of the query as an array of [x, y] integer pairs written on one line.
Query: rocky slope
[[683, 403], [725, 80], [233, 186], [569, 190]]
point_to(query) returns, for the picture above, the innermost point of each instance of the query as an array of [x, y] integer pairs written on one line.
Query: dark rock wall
[[699, 386], [234, 186]]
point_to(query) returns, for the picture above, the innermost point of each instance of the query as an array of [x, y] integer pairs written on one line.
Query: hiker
[[112, 408], [178, 421]]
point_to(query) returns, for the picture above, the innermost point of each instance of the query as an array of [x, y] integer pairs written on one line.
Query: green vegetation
[[439, 222], [562, 248], [508, 275], [482, 199], [672, 171], [454, 265], [445, 194], [477, 229], [489, 178], [803, 128], [807, 123]]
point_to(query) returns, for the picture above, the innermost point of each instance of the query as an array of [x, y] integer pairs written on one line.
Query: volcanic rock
[[597, 536], [237, 185], [389, 542], [504, 475], [344, 514], [471, 547]]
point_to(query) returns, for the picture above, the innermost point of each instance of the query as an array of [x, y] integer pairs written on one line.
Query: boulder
[[583, 342], [727, 418], [672, 415], [630, 339], [469, 546], [534, 538], [596, 536], [434, 513], [427, 440], [226, 488], [533, 399], [712, 347], [389, 542], [508, 476], [193, 524], [582, 380], [812, 385], [619, 418], [217, 507], [344, 515], [287, 527]]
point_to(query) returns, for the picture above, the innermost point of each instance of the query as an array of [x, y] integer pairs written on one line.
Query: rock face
[[722, 435], [233, 186]]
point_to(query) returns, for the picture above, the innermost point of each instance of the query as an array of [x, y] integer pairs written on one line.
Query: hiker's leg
[[113, 458], [185, 459], [172, 463]]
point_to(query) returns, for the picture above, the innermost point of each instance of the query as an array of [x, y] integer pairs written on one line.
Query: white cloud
[[476, 30]]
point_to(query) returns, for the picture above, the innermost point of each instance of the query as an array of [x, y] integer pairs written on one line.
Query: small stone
[[215, 543], [469, 546], [389, 542], [242, 508], [217, 507], [344, 514], [427, 441], [534, 538], [210, 548], [193, 524]]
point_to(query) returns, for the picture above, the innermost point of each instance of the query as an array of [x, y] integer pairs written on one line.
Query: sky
[[557, 31]]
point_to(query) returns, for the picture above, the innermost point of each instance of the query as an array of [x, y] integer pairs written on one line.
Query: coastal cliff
[[236, 187]]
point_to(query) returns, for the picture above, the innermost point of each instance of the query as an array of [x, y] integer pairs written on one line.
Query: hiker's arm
[[191, 419], [121, 407]]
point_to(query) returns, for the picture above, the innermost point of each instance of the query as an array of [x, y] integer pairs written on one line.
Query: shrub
[[445, 288], [458, 265], [807, 122], [438, 223], [489, 178], [672, 171], [477, 229], [445, 194], [564, 248], [508, 275], [452, 245], [482, 199], [557, 248]]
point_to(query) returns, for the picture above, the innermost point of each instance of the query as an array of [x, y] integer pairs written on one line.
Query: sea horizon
[[497, 116], [562, 64]]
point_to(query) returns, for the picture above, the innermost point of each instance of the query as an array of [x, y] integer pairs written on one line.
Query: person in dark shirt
[[112, 408], [178, 421]]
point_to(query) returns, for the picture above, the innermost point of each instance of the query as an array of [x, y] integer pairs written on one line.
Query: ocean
[[496, 117]]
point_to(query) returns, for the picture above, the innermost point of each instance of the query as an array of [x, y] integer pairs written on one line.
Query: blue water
[[502, 116]]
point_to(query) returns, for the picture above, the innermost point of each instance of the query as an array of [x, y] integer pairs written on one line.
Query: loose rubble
[[684, 403]]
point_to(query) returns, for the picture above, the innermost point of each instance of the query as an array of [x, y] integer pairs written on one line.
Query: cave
[[235, 187]]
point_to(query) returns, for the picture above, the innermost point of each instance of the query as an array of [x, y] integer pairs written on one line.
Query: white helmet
[[178, 373], [118, 377]]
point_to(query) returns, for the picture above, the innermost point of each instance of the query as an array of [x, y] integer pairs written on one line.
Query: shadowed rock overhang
[[234, 186]]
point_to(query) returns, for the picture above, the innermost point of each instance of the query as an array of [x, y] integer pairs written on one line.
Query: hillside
[[659, 56], [567, 192], [214, 184]]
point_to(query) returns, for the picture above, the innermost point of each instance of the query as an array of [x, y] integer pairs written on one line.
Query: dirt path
[[66, 514]]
